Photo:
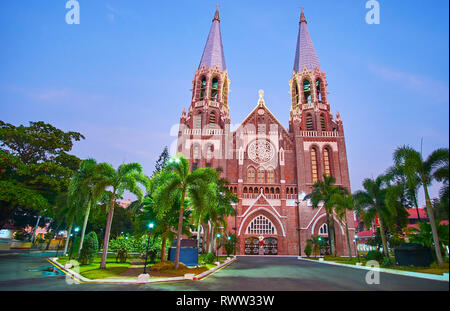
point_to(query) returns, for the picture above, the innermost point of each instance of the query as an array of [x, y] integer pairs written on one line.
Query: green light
[[228, 238], [218, 235], [77, 229], [150, 225]]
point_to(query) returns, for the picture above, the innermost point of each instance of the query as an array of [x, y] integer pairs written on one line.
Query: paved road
[[18, 271]]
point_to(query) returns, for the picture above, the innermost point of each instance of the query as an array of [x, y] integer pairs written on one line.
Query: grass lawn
[[433, 269], [93, 271], [113, 269]]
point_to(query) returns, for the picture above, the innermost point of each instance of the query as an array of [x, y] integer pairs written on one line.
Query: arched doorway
[[270, 246]]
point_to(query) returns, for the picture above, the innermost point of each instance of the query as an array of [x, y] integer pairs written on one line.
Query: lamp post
[[150, 226], [73, 241], [217, 246]]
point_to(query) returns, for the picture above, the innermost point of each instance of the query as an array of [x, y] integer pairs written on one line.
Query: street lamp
[[217, 246], [150, 227], [73, 241]]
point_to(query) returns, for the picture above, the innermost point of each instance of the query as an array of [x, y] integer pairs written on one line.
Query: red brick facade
[[270, 168]]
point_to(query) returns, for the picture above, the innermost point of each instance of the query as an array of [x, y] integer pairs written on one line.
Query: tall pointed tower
[[202, 127], [319, 138]]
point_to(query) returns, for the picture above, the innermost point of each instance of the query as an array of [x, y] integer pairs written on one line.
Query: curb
[[429, 276], [78, 277]]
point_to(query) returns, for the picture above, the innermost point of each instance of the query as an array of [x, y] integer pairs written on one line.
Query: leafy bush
[[210, 258], [22, 236], [230, 244], [121, 247], [386, 262], [308, 248], [374, 255], [168, 265], [90, 249], [75, 246]]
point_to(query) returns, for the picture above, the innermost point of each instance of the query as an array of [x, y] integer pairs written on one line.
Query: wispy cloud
[[111, 15], [436, 89]]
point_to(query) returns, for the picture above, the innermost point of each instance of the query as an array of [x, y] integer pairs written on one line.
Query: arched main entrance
[[270, 246]]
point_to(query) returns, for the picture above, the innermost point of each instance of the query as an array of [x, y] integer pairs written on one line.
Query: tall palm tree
[[418, 168], [344, 203], [441, 174], [322, 192], [126, 177], [82, 186], [67, 210], [371, 203], [180, 183]]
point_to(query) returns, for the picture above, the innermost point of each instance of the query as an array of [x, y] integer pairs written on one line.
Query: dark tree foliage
[[34, 166], [162, 160]]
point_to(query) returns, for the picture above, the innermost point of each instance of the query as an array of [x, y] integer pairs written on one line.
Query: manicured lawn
[[433, 269], [93, 271], [113, 269]]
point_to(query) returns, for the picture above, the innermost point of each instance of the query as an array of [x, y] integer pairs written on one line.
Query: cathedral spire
[[305, 54], [213, 53]]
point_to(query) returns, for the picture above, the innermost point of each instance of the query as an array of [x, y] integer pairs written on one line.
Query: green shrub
[[168, 265], [75, 246], [230, 243], [308, 248], [210, 258], [90, 249], [374, 255]]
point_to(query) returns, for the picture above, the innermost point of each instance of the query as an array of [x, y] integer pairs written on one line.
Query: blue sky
[[123, 75]]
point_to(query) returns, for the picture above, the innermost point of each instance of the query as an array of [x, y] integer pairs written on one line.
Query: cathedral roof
[[305, 55], [213, 53]]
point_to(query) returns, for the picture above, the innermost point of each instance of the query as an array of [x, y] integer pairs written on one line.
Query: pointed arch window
[[202, 88], [314, 165], [270, 175], [323, 230], [326, 161], [322, 123], [214, 89], [212, 119], [319, 90], [309, 123], [198, 121], [261, 225], [261, 175], [251, 175], [196, 152], [225, 93], [295, 94], [307, 91]]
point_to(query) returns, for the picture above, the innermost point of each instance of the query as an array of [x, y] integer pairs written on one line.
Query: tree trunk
[[107, 231], [180, 230], [207, 238], [83, 231], [198, 235], [383, 236], [348, 241], [163, 249], [68, 238], [437, 245], [331, 241]]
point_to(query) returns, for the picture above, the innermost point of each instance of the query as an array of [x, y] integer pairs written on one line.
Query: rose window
[[261, 151]]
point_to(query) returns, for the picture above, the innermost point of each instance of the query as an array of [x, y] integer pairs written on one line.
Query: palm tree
[[418, 168], [371, 203], [67, 210], [441, 174], [322, 192], [181, 183], [82, 186], [344, 203], [126, 177]]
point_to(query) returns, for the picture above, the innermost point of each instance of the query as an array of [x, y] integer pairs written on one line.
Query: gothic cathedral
[[270, 168]]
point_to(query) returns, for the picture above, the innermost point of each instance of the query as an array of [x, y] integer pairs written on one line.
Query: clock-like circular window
[[261, 151]]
